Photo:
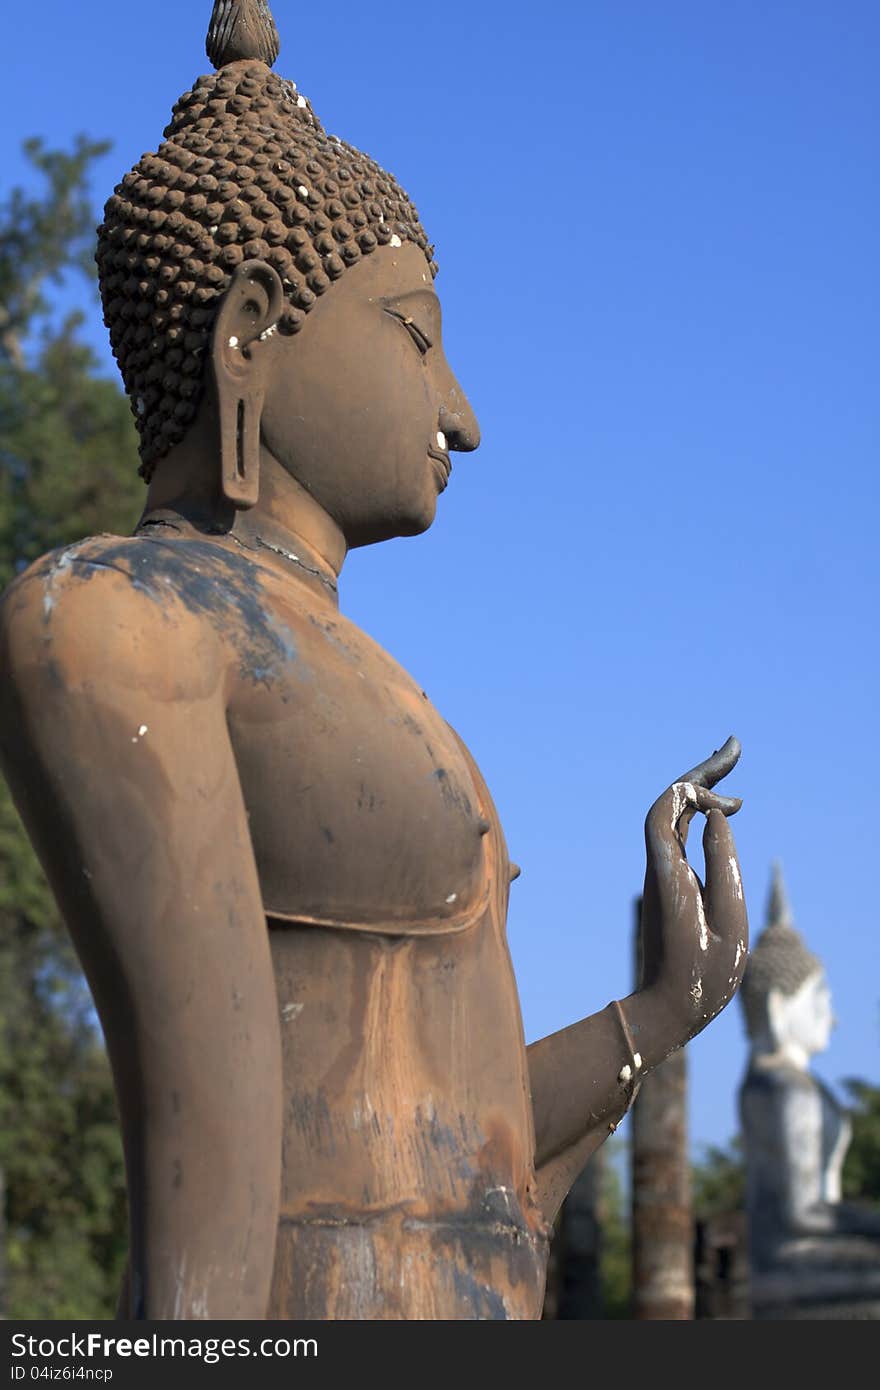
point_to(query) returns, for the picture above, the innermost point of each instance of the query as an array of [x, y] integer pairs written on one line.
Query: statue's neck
[[288, 520], [286, 526]]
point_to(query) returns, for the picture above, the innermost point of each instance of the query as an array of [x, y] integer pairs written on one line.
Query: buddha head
[[262, 272], [785, 993]]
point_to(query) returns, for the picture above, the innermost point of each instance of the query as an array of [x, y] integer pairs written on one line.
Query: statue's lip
[[445, 463]]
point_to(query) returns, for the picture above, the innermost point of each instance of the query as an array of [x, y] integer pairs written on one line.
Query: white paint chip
[[702, 924], [233, 341], [452, 897], [301, 101], [624, 1075], [395, 240], [441, 440], [291, 1011]]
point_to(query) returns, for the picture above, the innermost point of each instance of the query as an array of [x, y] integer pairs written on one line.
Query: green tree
[[68, 468], [68, 459], [42, 236], [861, 1168], [718, 1180], [615, 1266]]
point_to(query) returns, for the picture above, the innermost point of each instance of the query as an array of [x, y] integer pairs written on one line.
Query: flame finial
[[779, 911], [242, 29]]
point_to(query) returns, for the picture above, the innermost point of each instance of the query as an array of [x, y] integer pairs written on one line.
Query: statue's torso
[[408, 1183], [796, 1134], [408, 1146], [407, 1187], [810, 1255]]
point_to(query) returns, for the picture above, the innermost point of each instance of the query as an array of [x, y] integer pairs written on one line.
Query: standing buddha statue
[[281, 868]]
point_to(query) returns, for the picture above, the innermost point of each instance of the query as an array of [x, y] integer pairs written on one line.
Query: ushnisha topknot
[[780, 959], [241, 29], [245, 172]]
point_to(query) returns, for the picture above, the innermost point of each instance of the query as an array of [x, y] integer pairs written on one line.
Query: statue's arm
[[580, 1093], [113, 739], [694, 948], [832, 1186]]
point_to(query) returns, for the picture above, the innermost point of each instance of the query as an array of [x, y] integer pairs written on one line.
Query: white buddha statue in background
[[811, 1254]]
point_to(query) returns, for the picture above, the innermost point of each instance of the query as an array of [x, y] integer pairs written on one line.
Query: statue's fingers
[[711, 770], [707, 801], [723, 894], [713, 801], [667, 822], [665, 838], [670, 816], [674, 931]]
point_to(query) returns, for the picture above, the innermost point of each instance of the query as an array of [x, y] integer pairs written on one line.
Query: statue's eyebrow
[[426, 300]]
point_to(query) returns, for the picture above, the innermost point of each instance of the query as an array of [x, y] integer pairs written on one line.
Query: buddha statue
[[281, 868], [811, 1254]]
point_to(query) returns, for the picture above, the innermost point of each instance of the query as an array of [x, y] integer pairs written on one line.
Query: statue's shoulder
[[108, 605]]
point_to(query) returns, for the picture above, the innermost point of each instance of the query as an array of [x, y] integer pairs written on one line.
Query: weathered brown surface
[[408, 1188], [281, 869]]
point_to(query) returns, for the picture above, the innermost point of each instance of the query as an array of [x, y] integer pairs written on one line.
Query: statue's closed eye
[[419, 337]]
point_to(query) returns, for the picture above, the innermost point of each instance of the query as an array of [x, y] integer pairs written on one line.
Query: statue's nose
[[459, 423]]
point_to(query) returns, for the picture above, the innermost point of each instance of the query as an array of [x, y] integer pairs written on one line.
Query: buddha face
[[804, 1019], [361, 407]]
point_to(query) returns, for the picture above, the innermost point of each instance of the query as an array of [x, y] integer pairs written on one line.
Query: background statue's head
[[784, 991], [248, 190]]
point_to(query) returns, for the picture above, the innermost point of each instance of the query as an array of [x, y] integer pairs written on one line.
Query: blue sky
[[657, 230]]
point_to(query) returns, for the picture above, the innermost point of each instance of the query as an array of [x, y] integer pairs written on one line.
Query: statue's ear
[[248, 313]]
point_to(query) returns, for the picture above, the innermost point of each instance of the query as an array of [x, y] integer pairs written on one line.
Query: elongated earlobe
[[249, 311], [239, 408]]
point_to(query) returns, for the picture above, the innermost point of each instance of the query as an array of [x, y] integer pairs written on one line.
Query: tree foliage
[[42, 235], [718, 1180], [68, 468], [68, 461], [615, 1270], [861, 1168]]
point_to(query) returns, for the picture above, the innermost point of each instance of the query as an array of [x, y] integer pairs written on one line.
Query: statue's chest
[[364, 810]]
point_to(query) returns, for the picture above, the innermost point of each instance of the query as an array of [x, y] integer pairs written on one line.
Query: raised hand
[[694, 947], [694, 935]]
